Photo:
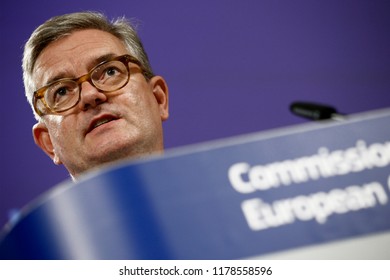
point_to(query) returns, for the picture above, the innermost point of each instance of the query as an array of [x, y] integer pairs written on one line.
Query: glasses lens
[[62, 95], [110, 76]]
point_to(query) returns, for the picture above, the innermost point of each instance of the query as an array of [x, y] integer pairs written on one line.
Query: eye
[[112, 71], [109, 73], [60, 93], [59, 96]]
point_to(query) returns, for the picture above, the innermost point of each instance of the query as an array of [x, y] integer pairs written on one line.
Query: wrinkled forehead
[[74, 55]]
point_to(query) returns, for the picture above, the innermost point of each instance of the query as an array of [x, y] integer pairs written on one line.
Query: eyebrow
[[90, 65]]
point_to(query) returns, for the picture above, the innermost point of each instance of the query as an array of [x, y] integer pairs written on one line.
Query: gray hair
[[61, 26]]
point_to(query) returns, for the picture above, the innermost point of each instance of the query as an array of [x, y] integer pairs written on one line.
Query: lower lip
[[102, 127]]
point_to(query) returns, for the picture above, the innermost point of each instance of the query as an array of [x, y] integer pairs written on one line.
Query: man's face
[[101, 128]]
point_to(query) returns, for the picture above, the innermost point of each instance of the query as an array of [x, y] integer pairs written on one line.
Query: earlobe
[[42, 139], [161, 93]]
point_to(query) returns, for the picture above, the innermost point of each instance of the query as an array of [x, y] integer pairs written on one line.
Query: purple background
[[233, 67]]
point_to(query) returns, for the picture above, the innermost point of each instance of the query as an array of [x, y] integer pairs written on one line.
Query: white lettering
[[247, 179], [319, 206], [236, 173]]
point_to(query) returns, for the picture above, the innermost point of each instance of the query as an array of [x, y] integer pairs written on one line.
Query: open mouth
[[100, 121]]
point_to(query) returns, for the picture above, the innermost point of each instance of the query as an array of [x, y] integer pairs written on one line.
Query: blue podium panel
[[235, 198]]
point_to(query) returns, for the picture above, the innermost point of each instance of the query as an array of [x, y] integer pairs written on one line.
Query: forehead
[[74, 53]]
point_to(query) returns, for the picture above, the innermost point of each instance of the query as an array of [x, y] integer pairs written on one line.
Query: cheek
[[61, 132], [138, 97], [53, 124]]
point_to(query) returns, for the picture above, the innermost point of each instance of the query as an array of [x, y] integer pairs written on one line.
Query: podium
[[322, 186]]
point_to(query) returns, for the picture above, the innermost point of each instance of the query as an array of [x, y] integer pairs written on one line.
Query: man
[[93, 92]]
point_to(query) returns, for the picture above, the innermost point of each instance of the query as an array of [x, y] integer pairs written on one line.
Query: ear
[[42, 139], [160, 91]]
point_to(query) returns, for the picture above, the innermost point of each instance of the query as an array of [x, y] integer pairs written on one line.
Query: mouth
[[100, 121]]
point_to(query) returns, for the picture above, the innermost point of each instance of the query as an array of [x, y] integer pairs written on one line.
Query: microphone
[[315, 111]]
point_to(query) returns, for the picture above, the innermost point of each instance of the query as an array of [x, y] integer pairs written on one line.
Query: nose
[[90, 97]]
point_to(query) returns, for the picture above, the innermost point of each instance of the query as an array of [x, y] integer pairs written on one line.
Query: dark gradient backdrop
[[233, 67]]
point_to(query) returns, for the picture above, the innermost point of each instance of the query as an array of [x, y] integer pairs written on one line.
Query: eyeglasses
[[64, 94]]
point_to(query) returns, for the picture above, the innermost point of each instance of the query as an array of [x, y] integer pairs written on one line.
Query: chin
[[119, 153]]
